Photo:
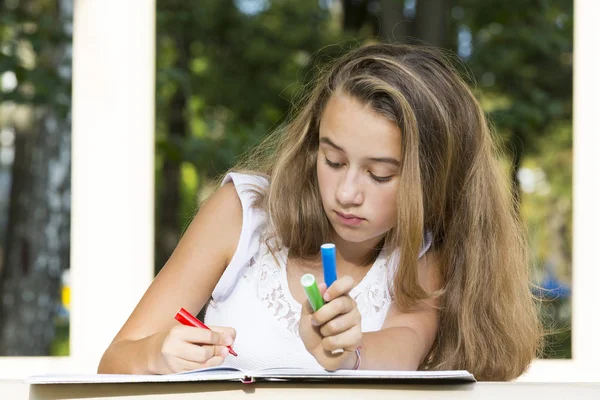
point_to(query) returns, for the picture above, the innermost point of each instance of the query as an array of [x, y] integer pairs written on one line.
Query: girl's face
[[358, 168]]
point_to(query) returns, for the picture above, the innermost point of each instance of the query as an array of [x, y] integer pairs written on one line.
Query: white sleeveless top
[[253, 296]]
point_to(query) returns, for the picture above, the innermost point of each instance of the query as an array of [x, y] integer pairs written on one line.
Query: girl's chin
[[357, 239], [354, 237]]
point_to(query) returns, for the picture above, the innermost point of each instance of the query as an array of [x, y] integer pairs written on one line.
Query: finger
[[340, 324], [203, 336], [182, 365], [213, 362], [200, 353], [306, 308], [347, 340], [226, 331], [322, 287], [329, 311], [339, 288]]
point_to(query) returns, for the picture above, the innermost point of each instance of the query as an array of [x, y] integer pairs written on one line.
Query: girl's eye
[[380, 179], [333, 164]]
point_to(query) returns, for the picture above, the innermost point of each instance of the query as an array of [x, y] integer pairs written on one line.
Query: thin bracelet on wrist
[[357, 352]]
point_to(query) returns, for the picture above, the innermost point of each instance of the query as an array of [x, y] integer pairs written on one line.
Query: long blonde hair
[[450, 185]]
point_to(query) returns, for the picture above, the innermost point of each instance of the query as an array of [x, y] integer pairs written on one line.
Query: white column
[[586, 208], [113, 169], [586, 190], [112, 178]]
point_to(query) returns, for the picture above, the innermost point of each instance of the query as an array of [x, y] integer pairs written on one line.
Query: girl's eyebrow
[[387, 160], [326, 140]]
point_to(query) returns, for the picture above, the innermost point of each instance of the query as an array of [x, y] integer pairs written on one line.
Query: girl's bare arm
[[406, 338], [187, 280]]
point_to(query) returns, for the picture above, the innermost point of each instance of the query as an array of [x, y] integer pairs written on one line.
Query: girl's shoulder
[[247, 183], [247, 186]]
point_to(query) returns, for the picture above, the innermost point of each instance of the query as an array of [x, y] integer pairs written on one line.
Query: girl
[[390, 158]]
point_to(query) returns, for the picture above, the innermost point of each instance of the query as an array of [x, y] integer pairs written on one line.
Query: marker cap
[[328, 258], [309, 283]]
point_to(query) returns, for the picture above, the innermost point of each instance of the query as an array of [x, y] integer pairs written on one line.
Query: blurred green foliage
[[28, 30], [227, 71], [238, 70]]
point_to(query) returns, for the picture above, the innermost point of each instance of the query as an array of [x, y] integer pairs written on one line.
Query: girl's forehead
[[351, 126]]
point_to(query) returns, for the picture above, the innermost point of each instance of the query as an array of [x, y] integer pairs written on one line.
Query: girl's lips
[[349, 219]]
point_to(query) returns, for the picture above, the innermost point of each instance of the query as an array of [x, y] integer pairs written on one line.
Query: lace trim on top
[[268, 270]]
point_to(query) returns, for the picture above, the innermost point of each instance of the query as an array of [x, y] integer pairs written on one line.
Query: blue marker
[[328, 257]]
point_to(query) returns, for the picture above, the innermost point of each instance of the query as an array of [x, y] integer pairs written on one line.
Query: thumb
[[225, 332], [322, 287], [306, 308]]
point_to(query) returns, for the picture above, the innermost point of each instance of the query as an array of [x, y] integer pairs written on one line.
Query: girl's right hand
[[185, 348]]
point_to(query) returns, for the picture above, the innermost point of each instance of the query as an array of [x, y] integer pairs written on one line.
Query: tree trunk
[[355, 14], [38, 237], [431, 22], [168, 231], [394, 26], [40, 215]]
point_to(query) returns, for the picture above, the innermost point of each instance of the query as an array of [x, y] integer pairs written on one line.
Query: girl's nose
[[349, 191]]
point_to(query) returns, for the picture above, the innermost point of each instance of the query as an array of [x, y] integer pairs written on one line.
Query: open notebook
[[271, 374]]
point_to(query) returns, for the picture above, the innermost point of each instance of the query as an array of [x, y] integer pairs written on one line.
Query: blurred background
[[226, 73]]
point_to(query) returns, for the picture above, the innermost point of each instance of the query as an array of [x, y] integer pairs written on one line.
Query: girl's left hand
[[334, 327]]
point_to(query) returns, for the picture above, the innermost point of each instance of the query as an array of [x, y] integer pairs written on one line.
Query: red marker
[[188, 319]]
